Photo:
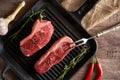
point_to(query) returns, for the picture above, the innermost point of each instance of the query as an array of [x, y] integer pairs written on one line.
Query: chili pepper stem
[[97, 60], [99, 68], [93, 61], [90, 71]]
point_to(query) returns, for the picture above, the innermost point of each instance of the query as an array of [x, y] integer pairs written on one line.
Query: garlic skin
[[3, 26]]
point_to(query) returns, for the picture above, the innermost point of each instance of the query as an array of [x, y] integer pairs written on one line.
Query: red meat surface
[[54, 55], [42, 31]]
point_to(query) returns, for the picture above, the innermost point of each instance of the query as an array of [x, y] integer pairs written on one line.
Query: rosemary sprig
[[14, 36], [72, 63]]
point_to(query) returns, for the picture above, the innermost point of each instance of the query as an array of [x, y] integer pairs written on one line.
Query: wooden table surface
[[108, 50]]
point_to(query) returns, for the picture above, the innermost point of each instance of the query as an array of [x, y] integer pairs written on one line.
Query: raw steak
[[54, 55], [41, 34]]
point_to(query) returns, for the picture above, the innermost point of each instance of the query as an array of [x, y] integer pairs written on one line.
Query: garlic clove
[[11, 17], [3, 26], [5, 21]]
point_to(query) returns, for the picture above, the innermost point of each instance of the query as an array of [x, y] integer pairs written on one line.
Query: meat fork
[[85, 40]]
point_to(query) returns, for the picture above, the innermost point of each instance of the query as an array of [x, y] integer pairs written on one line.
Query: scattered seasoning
[[35, 40], [100, 70], [72, 63], [91, 68]]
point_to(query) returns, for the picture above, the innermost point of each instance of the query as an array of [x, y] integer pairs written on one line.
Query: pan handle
[[82, 11], [8, 73], [5, 69]]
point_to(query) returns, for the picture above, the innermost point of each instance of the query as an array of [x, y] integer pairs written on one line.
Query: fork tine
[[83, 41], [78, 41], [79, 45]]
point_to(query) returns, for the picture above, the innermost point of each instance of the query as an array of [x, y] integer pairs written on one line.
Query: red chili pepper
[[91, 68], [99, 68]]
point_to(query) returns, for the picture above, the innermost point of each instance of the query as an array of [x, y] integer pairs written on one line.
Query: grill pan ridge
[[24, 66]]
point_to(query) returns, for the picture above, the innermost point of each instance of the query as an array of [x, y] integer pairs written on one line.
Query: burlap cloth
[[105, 14]]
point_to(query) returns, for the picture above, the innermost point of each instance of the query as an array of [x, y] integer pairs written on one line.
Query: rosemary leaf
[[72, 63], [42, 15], [14, 36]]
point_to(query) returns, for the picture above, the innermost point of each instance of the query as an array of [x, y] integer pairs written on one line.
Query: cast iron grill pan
[[22, 65]]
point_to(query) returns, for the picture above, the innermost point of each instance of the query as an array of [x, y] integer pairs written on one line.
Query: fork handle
[[108, 30]]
